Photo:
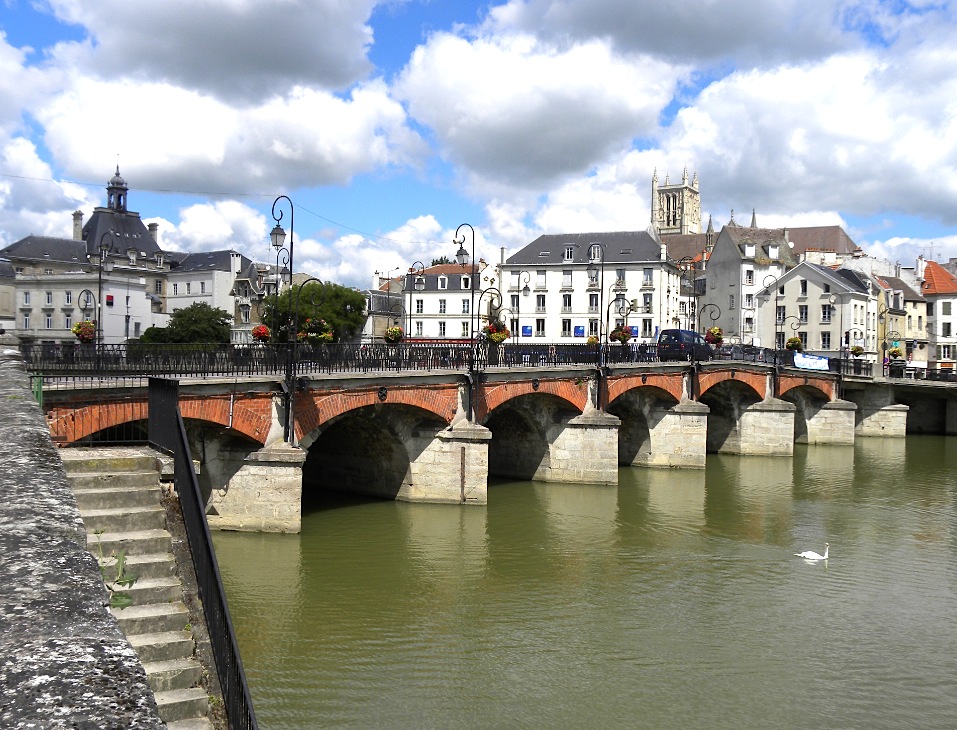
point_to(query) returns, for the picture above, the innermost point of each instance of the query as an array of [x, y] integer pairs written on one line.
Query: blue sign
[[526, 330], [634, 330], [579, 330]]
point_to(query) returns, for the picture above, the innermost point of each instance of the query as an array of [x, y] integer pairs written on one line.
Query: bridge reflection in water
[[674, 598]]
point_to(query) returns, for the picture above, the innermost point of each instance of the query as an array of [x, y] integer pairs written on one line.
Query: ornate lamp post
[[463, 259], [285, 255], [105, 263], [524, 278]]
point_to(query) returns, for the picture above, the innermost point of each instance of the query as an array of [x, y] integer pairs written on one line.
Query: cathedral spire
[[754, 218]]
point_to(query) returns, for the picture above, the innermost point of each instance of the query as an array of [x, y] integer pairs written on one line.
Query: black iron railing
[[167, 432]]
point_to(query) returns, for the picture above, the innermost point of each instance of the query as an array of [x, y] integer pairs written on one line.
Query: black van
[[682, 345]]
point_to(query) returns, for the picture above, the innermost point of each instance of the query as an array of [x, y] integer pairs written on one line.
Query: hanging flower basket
[[895, 352], [315, 332], [857, 351], [592, 340], [795, 344], [620, 334], [393, 334], [496, 332], [85, 331], [714, 336], [260, 333]]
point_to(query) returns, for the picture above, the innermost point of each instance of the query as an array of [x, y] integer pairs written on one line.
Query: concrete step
[[157, 565], [117, 495], [153, 618], [173, 674], [124, 519], [198, 723], [94, 480], [155, 590], [182, 704], [163, 646], [86, 461], [143, 542]]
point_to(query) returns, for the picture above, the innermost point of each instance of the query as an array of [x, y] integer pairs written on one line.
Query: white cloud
[[217, 226], [519, 113], [234, 49]]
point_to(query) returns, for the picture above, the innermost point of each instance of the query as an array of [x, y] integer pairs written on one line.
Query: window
[[778, 340], [441, 329], [49, 298], [592, 303], [465, 306], [49, 321], [772, 251], [592, 277], [594, 252], [780, 313], [466, 282], [569, 253], [566, 279], [513, 325], [646, 303], [593, 328], [749, 324], [910, 323], [566, 303], [136, 329], [539, 327], [566, 328], [515, 302], [443, 282], [803, 287], [749, 276], [244, 314], [749, 250], [802, 313], [48, 272], [749, 301], [920, 322], [67, 321], [930, 309], [418, 328], [419, 306], [945, 329], [825, 314], [26, 321], [175, 289], [68, 297], [945, 308], [87, 302], [202, 287], [189, 287], [26, 299], [540, 304], [539, 279], [465, 329], [683, 308], [827, 288], [731, 301], [18, 270], [647, 277], [802, 335], [646, 328], [158, 287], [514, 279], [620, 276], [825, 340], [441, 306]]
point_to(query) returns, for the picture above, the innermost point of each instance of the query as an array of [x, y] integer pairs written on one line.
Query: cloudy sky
[[390, 123]]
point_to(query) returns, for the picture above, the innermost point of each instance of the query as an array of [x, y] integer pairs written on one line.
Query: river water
[[673, 600]]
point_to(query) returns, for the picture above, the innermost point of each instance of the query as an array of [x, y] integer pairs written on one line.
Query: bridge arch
[[643, 411], [727, 400]]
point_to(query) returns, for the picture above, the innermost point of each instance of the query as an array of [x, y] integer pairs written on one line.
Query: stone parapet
[[64, 662]]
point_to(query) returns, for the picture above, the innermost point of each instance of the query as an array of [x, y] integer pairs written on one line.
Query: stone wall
[[64, 662]]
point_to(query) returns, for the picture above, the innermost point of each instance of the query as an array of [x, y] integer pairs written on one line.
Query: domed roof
[[117, 180]]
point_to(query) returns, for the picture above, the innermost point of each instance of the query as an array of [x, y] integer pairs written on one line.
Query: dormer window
[[569, 253], [594, 252], [773, 251], [443, 282], [749, 250], [466, 282], [159, 260], [131, 252]]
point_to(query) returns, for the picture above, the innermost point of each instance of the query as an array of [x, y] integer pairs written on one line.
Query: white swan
[[811, 555]]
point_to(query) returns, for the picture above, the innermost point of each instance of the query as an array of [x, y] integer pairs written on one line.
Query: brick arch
[[757, 381], [251, 415], [825, 386], [671, 383], [492, 396], [320, 406]]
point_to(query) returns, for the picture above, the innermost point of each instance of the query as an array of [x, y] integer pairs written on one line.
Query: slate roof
[[46, 248], [937, 280], [6, 270], [821, 238], [209, 261], [620, 247], [897, 284]]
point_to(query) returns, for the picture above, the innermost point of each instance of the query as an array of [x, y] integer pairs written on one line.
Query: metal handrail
[[168, 433]]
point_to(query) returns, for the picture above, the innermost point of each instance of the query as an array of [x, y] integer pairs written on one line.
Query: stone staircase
[[119, 498]]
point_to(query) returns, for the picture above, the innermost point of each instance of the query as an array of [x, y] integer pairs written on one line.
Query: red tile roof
[[937, 280]]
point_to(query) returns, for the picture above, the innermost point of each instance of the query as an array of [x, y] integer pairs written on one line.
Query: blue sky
[[390, 123]]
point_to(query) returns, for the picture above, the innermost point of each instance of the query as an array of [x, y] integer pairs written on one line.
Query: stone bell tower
[[676, 208]]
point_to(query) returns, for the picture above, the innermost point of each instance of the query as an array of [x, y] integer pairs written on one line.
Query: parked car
[[683, 345]]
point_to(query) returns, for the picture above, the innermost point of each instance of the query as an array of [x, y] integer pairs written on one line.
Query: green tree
[[342, 308], [441, 260], [197, 323]]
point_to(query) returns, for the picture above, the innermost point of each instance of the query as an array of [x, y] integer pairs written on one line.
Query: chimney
[[154, 231], [78, 225]]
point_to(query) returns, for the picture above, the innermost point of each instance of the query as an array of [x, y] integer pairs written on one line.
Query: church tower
[[675, 208], [116, 193]]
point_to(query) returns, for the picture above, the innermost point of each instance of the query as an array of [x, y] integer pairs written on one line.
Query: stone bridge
[[434, 436]]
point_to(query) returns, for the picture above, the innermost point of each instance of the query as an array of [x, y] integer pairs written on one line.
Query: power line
[[221, 194]]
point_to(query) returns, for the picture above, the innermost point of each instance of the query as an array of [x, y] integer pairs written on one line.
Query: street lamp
[[463, 259], [686, 265], [524, 278], [105, 263], [292, 362], [284, 255], [414, 280], [894, 336], [596, 273]]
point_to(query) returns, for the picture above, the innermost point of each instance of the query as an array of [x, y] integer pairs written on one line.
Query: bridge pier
[[833, 423], [453, 468], [265, 494], [765, 428], [584, 449], [877, 412], [677, 437]]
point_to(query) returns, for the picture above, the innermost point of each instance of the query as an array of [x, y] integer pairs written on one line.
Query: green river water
[[671, 601]]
